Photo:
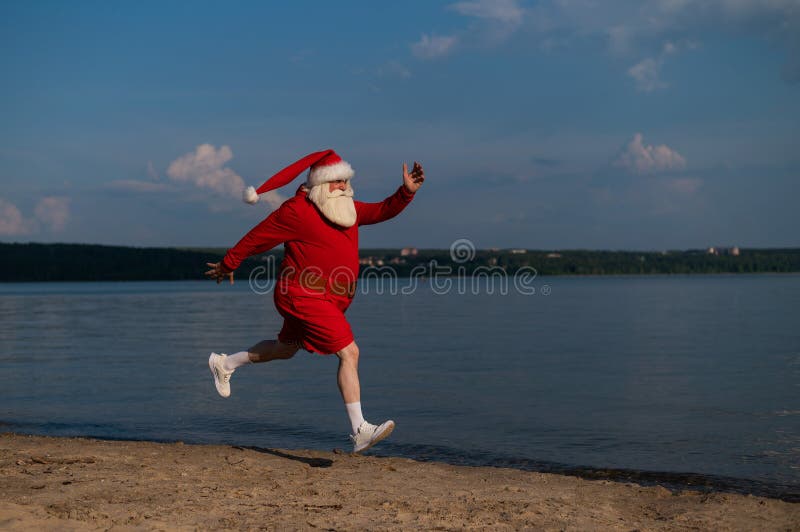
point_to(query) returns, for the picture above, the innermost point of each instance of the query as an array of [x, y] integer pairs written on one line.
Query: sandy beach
[[86, 484]]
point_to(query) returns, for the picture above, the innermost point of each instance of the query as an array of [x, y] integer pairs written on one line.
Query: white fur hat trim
[[332, 172]]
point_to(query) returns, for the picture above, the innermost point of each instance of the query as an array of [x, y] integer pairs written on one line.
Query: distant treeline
[[84, 262]]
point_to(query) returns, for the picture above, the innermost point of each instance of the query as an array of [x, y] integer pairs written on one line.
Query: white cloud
[[205, 168], [497, 19], [639, 159], [643, 26], [11, 220], [503, 11], [647, 74], [433, 46], [53, 212]]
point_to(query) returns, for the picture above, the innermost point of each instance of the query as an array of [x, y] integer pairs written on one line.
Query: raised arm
[[373, 213]]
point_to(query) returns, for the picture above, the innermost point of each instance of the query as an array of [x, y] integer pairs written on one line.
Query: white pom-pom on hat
[[250, 195]]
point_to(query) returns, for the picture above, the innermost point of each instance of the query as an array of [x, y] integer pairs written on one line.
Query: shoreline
[[81, 483], [673, 480], [424, 279]]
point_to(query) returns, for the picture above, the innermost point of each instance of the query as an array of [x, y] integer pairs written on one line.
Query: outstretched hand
[[413, 180], [218, 272]]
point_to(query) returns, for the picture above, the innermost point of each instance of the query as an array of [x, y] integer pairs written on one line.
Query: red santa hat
[[324, 166]]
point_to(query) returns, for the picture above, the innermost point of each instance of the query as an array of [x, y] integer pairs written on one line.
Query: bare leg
[[267, 350], [348, 374], [364, 434]]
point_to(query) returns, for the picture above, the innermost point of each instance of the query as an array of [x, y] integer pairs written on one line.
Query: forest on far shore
[[88, 262]]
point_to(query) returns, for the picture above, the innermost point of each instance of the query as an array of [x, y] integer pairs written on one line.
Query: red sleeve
[[373, 213], [280, 226]]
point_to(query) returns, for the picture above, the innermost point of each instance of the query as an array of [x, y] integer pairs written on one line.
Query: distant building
[[405, 252], [518, 251], [734, 251], [553, 255]]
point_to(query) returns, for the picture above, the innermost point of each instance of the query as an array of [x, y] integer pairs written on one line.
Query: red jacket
[[311, 241]]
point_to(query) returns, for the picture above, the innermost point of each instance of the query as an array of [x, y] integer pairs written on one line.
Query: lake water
[[683, 379]]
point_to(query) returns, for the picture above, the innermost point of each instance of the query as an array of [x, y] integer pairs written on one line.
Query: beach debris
[[323, 507]]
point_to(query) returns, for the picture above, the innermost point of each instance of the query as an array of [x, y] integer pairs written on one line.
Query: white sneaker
[[222, 377], [369, 434]]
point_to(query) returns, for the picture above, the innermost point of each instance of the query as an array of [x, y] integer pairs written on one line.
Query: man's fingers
[[216, 272], [417, 174]]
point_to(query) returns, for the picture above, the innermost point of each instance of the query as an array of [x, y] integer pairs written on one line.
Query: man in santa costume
[[317, 278]]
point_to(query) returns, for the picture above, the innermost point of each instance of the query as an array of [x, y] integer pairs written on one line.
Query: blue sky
[[654, 124]]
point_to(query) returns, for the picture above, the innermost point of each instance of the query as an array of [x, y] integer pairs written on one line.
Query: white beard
[[337, 206]]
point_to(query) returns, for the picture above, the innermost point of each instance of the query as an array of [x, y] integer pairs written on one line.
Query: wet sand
[[85, 484]]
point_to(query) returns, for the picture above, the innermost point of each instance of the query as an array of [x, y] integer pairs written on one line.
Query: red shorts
[[314, 322]]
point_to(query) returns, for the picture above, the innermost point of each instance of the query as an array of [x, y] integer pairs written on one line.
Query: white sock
[[235, 360], [356, 417]]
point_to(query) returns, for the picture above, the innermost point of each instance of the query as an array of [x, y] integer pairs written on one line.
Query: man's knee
[[285, 351], [349, 353]]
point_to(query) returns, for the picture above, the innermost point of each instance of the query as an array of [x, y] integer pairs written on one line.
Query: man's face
[[341, 184], [335, 201]]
